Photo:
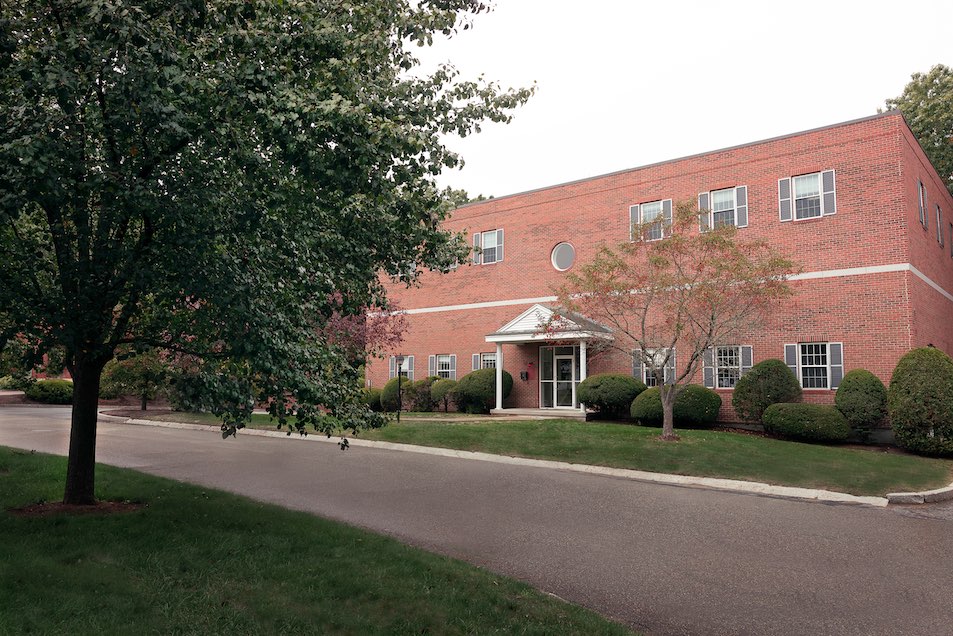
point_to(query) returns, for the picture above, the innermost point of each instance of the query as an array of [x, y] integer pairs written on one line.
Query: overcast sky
[[626, 83]]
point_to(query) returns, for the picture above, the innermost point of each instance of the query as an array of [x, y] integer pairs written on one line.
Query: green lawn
[[196, 561], [700, 453]]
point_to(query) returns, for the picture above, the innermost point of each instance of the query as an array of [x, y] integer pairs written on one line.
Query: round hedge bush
[[766, 383], [421, 401], [609, 394], [695, 407], [476, 391], [920, 402], [862, 398], [389, 394], [51, 391], [372, 397], [806, 422], [442, 391]]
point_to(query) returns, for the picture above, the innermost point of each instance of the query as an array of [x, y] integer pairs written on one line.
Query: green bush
[[766, 383], [372, 397], [609, 394], [442, 393], [389, 394], [16, 382], [51, 391], [695, 407], [920, 402], [421, 401], [862, 398], [806, 422], [476, 391]]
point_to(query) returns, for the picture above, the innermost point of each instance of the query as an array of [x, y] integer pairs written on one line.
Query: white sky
[[627, 83]]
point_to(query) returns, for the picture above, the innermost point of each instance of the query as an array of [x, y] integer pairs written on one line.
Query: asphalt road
[[663, 559]]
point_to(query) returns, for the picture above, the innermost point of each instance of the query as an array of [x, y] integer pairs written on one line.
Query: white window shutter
[[790, 358], [836, 356], [431, 365], [499, 245], [477, 257], [704, 212], [667, 217], [475, 361], [708, 368], [829, 206], [670, 368], [634, 219], [747, 355], [410, 368], [453, 366], [392, 369], [784, 198], [638, 369], [741, 206]]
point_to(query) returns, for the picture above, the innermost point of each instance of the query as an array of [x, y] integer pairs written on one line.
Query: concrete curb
[[927, 496], [732, 485]]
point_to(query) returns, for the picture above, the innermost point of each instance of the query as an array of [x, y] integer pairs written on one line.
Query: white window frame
[[734, 207], [922, 202], [488, 360], [406, 368], [658, 354], [826, 366], [496, 245], [718, 367], [820, 196], [939, 225], [657, 222], [444, 367]]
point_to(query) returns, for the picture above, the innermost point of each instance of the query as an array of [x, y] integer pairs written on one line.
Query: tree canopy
[[222, 179], [927, 105], [683, 293]]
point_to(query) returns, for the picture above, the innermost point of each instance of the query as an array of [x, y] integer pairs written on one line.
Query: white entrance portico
[[562, 359]]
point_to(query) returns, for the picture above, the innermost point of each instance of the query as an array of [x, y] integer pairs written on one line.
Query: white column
[[499, 375], [582, 368]]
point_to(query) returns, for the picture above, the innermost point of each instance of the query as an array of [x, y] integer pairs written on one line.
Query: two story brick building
[[857, 205]]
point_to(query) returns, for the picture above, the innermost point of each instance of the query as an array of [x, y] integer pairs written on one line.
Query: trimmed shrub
[[862, 398], [51, 391], [766, 383], [421, 401], [16, 382], [920, 402], [806, 422], [695, 407], [442, 392], [609, 394], [372, 397], [476, 391], [389, 394]]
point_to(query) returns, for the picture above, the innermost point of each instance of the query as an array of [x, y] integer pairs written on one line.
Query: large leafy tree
[[220, 178], [686, 292], [927, 105]]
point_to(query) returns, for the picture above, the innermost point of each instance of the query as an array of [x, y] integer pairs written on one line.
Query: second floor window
[[488, 247], [807, 196], [728, 206], [654, 219]]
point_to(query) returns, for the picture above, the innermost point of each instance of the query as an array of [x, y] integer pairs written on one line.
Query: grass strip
[[197, 561]]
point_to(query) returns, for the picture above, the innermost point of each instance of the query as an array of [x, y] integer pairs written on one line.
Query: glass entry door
[[558, 377]]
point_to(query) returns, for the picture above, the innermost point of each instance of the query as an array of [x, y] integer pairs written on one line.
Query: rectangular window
[[723, 207], [652, 219], [939, 225], [445, 367], [817, 365], [488, 247], [658, 358], [807, 196], [487, 360], [727, 366], [403, 365], [922, 201]]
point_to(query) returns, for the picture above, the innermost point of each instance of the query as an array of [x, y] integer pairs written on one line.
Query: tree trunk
[[668, 413], [145, 401], [81, 469]]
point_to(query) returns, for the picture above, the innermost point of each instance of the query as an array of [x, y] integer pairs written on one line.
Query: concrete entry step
[[548, 414]]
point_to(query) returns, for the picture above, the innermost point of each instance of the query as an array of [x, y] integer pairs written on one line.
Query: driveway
[[663, 559]]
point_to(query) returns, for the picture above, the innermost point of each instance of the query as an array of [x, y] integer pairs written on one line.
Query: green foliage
[[766, 383], [695, 407], [927, 105], [223, 180], [372, 397], [806, 422], [476, 391], [920, 402], [389, 394], [609, 394], [51, 391], [862, 398], [442, 393], [16, 382], [146, 375], [422, 402]]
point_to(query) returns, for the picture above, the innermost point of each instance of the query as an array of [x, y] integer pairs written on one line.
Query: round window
[[564, 255]]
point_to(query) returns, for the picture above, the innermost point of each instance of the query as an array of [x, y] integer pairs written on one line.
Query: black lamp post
[[399, 361]]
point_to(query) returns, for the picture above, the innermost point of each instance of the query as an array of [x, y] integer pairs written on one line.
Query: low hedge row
[[806, 422], [50, 391], [695, 407]]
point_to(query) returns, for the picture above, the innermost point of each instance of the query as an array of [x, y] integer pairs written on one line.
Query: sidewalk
[[732, 485]]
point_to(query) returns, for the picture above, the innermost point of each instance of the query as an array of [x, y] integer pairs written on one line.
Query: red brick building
[[857, 205]]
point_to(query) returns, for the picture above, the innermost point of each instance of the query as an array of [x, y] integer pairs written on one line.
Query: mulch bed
[[58, 507]]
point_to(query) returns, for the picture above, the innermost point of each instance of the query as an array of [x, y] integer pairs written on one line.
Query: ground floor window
[[660, 359], [818, 365], [725, 364], [443, 365], [404, 365]]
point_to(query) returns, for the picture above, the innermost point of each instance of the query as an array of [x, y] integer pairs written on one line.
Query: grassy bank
[[195, 561]]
